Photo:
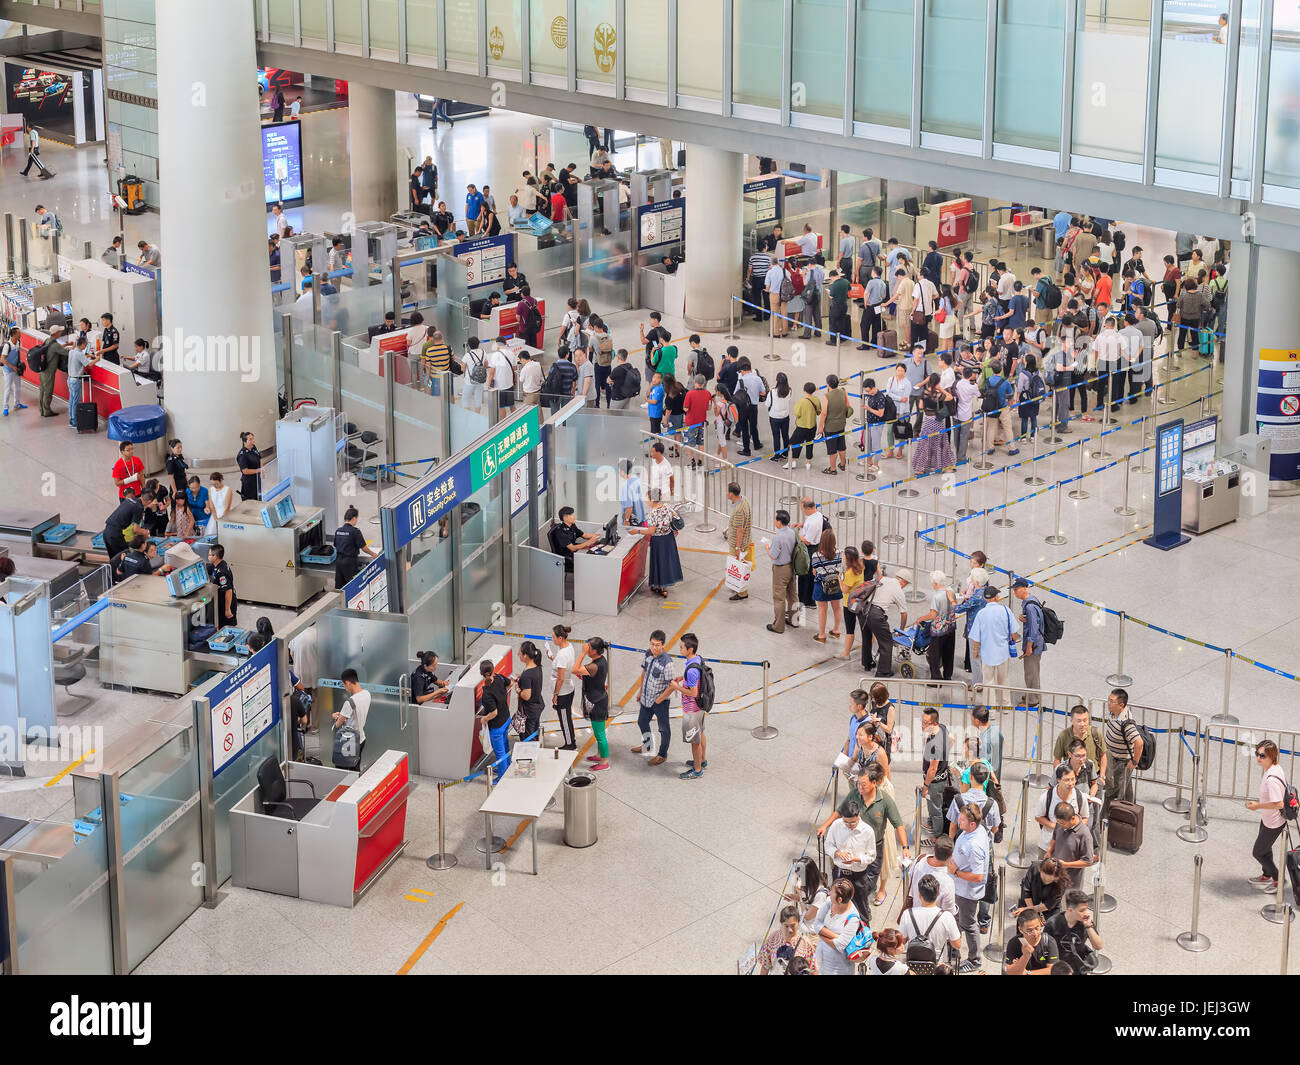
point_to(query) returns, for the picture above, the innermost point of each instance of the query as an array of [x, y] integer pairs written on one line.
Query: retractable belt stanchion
[[1103, 965], [1195, 940], [1124, 510], [764, 731], [1226, 718], [1176, 804], [1192, 832], [1079, 491], [1020, 860], [1036, 779], [484, 845], [731, 315], [920, 831], [1142, 467], [1106, 903], [965, 509], [1101, 452], [1004, 521], [1058, 536], [1120, 679], [1286, 936], [1033, 480], [995, 949], [705, 526], [443, 859], [1279, 911], [771, 355]]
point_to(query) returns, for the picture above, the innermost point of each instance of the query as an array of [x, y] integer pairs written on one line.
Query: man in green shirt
[[1080, 729], [876, 808], [664, 360], [840, 323]]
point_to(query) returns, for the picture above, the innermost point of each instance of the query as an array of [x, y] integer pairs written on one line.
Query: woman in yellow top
[[806, 413], [854, 574]]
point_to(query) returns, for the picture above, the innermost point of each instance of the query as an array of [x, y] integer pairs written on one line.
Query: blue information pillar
[[1168, 523]]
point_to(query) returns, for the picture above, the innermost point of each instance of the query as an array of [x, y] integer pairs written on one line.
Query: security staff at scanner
[[567, 539], [133, 560], [219, 574], [349, 542], [130, 511], [425, 685]]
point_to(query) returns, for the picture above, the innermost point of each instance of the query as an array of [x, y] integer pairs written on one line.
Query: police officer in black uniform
[[130, 511], [349, 542], [109, 340], [133, 560], [250, 468], [220, 575], [566, 538], [425, 684]]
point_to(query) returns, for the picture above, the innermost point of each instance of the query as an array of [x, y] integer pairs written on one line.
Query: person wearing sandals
[[943, 627], [933, 451], [834, 416], [827, 574], [854, 572], [593, 667], [665, 562], [566, 684]]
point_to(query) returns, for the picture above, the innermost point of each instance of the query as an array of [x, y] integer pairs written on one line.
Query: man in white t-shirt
[[501, 367], [355, 708], [936, 865], [925, 919]]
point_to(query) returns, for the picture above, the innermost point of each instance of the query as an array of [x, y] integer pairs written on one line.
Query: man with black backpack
[[1124, 746], [698, 360], [928, 929], [625, 382], [697, 691], [1034, 620]]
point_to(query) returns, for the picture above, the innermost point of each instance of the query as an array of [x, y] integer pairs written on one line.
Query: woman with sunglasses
[[1269, 805]]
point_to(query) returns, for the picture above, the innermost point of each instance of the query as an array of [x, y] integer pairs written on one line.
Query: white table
[[526, 797], [1017, 229]]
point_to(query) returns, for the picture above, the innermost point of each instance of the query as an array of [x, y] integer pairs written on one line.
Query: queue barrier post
[[1286, 936], [771, 355], [1004, 521], [1225, 717], [995, 949], [1142, 467], [1193, 832], [965, 509], [1176, 804], [495, 844], [765, 731], [442, 859], [731, 315], [1125, 509], [1120, 679], [1101, 452], [1195, 940], [919, 830], [1020, 860], [1107, 901], [1278, 911], [1104, 964], [1079, 491], [704, 526], [1038, 780], [1033, 480]]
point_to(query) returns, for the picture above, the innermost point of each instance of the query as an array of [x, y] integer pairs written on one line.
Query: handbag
[[857, 292], [918, 317], [860, 945], [940, 316], [795, 305], [520, 724]]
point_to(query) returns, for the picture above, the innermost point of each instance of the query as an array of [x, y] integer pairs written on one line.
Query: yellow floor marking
[[409, 964], [672, 641], [64, 772]]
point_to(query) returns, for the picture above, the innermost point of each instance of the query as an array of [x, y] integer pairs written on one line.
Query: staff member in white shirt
[[355, 709]]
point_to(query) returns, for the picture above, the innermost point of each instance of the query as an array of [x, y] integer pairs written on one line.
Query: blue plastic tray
[[322, 557], [97, 541], [226, 638], [58, 534]]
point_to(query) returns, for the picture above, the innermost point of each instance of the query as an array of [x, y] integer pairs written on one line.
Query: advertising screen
[[43, 96], [282, 163]]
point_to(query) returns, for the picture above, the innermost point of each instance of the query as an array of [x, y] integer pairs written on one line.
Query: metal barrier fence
[[1230, 770], [1179, 746]]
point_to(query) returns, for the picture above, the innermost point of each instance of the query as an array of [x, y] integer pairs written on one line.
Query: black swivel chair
[[275, 793]]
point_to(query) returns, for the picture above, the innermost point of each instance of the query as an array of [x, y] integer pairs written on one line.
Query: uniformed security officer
[[425, 684], [250, 468], [220, 575], [133, 560], [109, 340], [130, 511], [567, 538], [349, 542]]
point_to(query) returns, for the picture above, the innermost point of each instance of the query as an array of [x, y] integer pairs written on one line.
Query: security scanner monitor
[[278, 513], [182, 582]]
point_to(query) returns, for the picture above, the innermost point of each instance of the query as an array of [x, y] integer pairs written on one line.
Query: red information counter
[[110, 387]]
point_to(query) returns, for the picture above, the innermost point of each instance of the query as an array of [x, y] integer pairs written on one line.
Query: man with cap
[[1034, 643], [54, 352], [888, 593], [991, 641]]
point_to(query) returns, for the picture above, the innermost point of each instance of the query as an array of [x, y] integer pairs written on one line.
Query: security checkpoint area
[[915, 505]]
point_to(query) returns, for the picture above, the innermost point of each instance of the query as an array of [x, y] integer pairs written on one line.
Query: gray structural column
[[372, 125], [713, 234], [218, 350], [1263, 312]]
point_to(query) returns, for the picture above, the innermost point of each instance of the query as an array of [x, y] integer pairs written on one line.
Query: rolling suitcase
[[888, 340], [1293, 871], [1125, 826], [931, 342], [87, 414]]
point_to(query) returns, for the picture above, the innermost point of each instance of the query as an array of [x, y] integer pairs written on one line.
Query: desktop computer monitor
[[611, 530]]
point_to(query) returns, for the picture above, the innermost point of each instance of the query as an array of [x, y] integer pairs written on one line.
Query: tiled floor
[[687, 874]]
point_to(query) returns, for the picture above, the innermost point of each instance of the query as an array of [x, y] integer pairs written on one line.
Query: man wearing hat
[[888, 593], [991, 636], [1034, 643]]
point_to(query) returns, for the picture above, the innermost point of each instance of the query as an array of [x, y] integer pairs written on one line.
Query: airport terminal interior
[[556, 426]]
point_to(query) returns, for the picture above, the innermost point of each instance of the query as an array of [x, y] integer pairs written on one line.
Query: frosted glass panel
[[1189, 123], [281, 18], [756, 52], [548, 40], [1243, 143], [462, 29], [595, 40], [315, 21], [422, 27], [503, 33], [347, 22], [882, 90], [952, 71], [383, 25], [1282, 147], [699, 51], [1031, 44], [817, 62], [1110, 111], [646, 65]]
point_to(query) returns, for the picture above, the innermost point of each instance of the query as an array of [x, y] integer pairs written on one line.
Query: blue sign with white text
[[1167, 520], [447, 487]]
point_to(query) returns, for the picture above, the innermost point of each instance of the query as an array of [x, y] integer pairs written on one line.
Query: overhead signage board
[[448, 486], [765, 194]]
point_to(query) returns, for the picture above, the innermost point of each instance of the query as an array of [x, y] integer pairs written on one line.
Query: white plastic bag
[[738, 574]]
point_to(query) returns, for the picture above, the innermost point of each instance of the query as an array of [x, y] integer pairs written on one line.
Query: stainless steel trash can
[[580, 810]]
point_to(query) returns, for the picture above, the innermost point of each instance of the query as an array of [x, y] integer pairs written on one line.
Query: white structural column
[[372, 126], [1263, 313], [714, 209], [216, 301]]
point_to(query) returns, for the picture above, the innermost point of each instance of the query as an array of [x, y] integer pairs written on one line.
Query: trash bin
[[580, 810], [145, 426]]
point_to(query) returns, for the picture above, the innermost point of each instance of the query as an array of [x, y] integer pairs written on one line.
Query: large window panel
[[383, 26], [548, 39], [817, 64], [503, 26], [347, 26], [1193, 64], [1243, 139], [646, 65], [281, 24], [952, 68], [699, 51], [595, 41], [315, 21], [1028, 75], [882, 89], [756, 52], [421, 29], [462, 30], [1110, 80], [1282, 130]]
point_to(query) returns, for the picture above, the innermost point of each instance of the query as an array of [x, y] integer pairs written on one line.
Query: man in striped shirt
[[436, 357], [759, 264], [1123, 749], [740, 528]]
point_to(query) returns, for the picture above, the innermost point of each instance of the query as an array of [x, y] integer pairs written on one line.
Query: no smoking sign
[[1291, 405]]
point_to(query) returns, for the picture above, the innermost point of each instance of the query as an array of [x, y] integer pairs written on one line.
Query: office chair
[[275, 792]]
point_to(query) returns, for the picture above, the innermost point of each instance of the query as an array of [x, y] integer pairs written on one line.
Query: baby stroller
[[914, 638]]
